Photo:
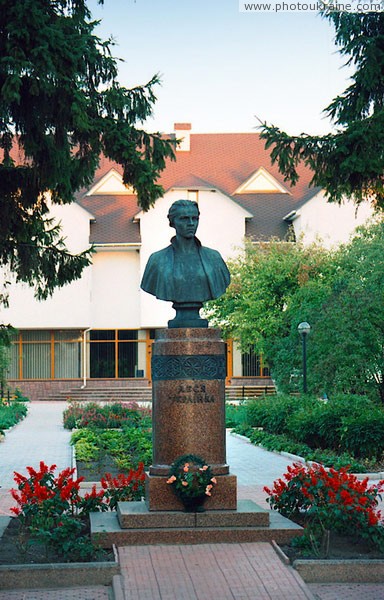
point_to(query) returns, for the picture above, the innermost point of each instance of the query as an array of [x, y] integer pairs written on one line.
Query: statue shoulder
[[211, 254], [157, 271], [160, 255]]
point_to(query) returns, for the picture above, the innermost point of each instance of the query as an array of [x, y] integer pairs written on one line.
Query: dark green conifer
[[61, 106]]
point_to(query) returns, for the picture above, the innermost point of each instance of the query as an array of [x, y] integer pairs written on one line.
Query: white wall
[[237, 364], [70, 305], [221, 226], [328, 222], [115, 289]]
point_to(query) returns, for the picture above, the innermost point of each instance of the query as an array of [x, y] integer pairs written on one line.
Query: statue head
[[183, 215]]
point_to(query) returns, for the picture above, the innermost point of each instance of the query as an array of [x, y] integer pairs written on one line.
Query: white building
[[101, 327]]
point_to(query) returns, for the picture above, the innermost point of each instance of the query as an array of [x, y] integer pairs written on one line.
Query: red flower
[[372, 518], [346, 497]]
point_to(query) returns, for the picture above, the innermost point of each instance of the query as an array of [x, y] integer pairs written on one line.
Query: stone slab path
[[40, 436]]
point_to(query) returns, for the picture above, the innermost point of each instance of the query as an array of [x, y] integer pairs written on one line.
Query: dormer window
[[110, 184], [261, 182]]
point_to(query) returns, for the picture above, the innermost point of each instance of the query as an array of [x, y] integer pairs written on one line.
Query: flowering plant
[[191, 477], [44, 492], [329, 499], [124, 487], [52, 510]]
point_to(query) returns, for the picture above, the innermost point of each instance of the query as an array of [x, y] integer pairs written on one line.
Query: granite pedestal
[[188, 404]]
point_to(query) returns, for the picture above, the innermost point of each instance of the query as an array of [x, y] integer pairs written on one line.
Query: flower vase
[[193, 504]]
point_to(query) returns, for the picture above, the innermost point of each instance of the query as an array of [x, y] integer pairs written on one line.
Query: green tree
[[346, 351], [61, 106], [339, 292], [350, 162], [265, 279]]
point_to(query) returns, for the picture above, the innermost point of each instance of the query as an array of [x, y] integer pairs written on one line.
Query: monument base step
[[135, 515], [249, 523]]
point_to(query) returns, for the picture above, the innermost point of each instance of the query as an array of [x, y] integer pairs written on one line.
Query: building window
[[115, 353], [59, 354], [253, 365], [44, 354]]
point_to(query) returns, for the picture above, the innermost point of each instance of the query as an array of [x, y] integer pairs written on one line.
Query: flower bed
[[109, 416], [53, 516], [331, 505], [113, 438], [47, 543], [115, 451]]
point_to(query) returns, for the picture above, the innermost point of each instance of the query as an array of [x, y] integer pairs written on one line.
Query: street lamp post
[[304, 328]]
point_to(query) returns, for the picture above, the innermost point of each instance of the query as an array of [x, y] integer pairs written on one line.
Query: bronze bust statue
[[186, 273]]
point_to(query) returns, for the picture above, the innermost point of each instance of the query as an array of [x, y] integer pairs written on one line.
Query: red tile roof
[[113, 219], [217, 160]]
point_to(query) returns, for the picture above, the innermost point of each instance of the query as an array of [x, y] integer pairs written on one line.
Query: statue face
[[186, 222]]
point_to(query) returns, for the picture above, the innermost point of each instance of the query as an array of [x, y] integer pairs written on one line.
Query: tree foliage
[[265, 277], [339, 292], [350, 162], [61, 106]]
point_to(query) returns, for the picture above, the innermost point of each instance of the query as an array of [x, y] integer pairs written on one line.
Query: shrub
[[320, 423], [328, 458], [347, 424], [278, 443], [282, 443], [11, 413], [18, 396], [363, 434], [303, 426], [271, 412], [235, 414], [329, 500]]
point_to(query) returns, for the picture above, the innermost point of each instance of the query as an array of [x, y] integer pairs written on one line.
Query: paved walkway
[[198, 572], [40, 436]]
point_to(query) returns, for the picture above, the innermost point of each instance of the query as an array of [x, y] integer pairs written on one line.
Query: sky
[[222, 69]]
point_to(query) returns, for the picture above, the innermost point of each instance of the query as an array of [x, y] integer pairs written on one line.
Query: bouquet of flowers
[[191, 478]]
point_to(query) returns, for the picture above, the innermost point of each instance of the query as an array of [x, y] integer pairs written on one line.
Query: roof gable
[[261, 182], [110, 183]]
